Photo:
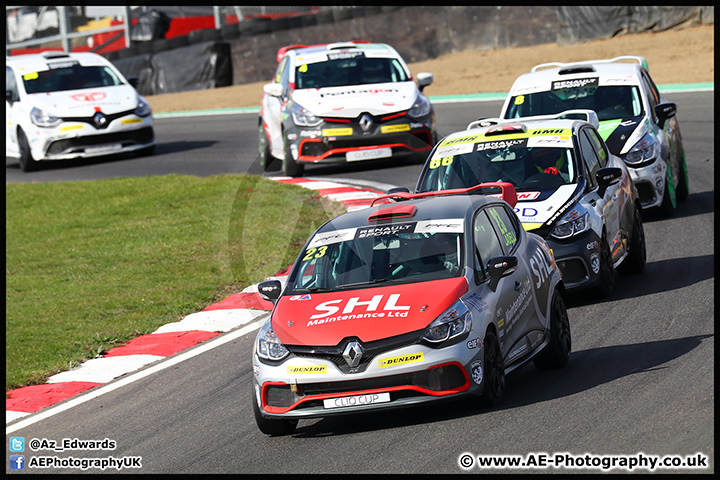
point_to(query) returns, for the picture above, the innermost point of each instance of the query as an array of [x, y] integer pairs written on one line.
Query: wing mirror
[[664, 111], [607, 176], [500, 267], [424, 79], [270, 290], [273, 89]]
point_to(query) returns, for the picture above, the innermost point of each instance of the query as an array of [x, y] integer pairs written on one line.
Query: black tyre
[[27, 163], [667, 207], [636, 259], [494, 367], [290, 167], [557, 353], [607, 273], [683, 188], [266, 160], [268, 426]]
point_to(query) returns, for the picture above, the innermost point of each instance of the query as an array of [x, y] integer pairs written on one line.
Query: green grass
[[91, 265]]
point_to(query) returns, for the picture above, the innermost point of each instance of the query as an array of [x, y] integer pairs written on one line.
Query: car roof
[[366, 46], [419, 207], [549, 72], [39, 61], [496, 128]]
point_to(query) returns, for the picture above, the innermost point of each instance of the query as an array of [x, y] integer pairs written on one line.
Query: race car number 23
[[315, 253]]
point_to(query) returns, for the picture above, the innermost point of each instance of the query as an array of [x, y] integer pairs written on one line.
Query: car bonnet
[[535, 208], [622, 133], [349, 101], [368, 314], [85, 102]]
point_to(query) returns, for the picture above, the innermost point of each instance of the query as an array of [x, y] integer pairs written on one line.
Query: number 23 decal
[[315, 253]]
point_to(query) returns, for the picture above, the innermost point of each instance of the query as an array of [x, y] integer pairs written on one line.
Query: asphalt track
[[641, 378]]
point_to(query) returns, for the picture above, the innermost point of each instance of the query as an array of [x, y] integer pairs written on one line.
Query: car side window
[[10, 84], [652, 94], [487, 244], [592, 162], [282, 74], [506, 228], [599, 146]]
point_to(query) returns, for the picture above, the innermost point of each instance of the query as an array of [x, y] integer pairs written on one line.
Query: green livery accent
[[607, 127]]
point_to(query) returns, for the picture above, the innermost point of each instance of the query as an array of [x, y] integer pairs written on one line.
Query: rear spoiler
[[283, 50], [620, 59], [507, 192], [590, 117]]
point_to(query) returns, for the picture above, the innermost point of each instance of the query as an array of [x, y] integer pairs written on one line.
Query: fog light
[[659, 184], [294, 151]]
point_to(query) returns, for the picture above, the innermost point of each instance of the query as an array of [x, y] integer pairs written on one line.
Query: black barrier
[[193, 67]]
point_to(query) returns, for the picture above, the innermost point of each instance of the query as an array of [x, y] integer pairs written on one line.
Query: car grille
[[334, 354], [89, 120], [440, 379], [140, 136]]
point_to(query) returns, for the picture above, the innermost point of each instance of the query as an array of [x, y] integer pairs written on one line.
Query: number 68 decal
[[444, 161], [315, 253]]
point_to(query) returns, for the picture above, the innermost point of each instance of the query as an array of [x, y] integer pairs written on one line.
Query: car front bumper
[[650, 182], [77, 139], [578, 259], [341, 140], [420, 374]]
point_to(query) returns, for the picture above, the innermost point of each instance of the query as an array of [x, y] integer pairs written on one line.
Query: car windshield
[[527, 168], [351, 68], [610, 102], [370, 256], [72, 77]]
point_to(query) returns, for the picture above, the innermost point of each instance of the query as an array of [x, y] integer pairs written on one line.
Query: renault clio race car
[[427, 298], [343, 102], [636, 122], [571, 190], [71, 105]]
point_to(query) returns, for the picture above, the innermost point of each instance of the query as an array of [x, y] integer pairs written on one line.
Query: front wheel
[[269, 426], [607, 273], [557, 353], [494, 390], [290, 167], [669, 201], [636, 259], [683, 189], [27, 163]]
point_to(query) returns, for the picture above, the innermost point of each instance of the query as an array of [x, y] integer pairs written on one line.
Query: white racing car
[[636, 122], [435, 296], [343, 102], [71, 105]]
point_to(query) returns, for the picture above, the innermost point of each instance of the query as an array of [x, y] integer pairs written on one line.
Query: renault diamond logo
[[352, 354], [99, 120], [365, 122]]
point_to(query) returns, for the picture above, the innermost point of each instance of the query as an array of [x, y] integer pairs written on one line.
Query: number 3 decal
[[315, 253]]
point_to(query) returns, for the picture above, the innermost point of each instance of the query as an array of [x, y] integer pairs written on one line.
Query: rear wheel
[[557, 353], [269, 426], [636, 259], [27, 163], [494, 372]]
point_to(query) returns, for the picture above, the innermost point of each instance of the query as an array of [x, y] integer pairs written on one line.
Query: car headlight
[[143, 108], [572, 223], [646, 149], [452, 323], [420, 108], [267, 344], [41, 118], [304, 117]]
